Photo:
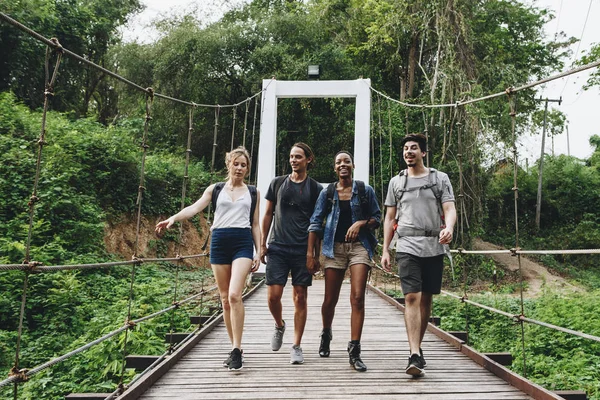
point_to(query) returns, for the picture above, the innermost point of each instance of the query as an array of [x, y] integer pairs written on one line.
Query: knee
[[225, 302], [235, 298], [412, 299], [299, 299], [357, 302], [273, 299]]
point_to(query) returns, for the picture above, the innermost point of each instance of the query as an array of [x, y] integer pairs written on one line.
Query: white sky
[[581, 107]]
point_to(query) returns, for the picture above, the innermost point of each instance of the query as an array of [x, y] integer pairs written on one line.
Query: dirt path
[[536, 275]]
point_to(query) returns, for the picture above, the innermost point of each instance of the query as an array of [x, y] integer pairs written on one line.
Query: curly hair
[[416, 137]]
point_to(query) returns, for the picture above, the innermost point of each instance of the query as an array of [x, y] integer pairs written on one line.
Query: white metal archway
[[273, 90]]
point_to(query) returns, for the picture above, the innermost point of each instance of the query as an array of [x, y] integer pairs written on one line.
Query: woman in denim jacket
[[348, 243]]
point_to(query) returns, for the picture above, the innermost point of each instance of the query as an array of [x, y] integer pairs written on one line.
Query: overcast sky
[[581, 107]]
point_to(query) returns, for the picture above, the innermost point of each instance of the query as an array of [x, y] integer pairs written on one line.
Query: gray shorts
[[279, 265], [347, 254], [420, 274]]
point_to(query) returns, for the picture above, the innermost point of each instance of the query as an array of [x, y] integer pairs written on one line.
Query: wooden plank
[[199, 319], [501, 358], [572, 394], [269, 375], [139, 363], [87, 396]]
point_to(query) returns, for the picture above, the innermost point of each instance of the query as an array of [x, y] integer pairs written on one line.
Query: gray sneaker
[[277, 339], [296, 356]]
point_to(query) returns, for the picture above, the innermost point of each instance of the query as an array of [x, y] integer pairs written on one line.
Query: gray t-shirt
[[418, 209], [293, 209]]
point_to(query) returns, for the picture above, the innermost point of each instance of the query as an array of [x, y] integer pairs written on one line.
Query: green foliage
[[87, 28], [569, 213], [555, 360], [79, 307]]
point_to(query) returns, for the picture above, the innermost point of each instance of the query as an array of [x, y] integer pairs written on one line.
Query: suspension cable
[[25, 374], [48, 91], [492, 96], [504, 313], [234, 117], [253, 132]]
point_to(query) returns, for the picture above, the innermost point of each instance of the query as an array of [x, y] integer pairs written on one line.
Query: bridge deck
[[269, 375]]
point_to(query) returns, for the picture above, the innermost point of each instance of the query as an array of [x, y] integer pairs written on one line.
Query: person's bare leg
[[412, 319], [426, 301], [358, 285], [239, 271], [222, 274], [300, 312], [274, 293], [333, 284]]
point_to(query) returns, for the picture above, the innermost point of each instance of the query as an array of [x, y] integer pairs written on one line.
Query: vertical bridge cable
[[141, 188], [461, 215], [180, 239], [391, 142], [426, 133], [253, 131], [245, 123], [380, 147], [212, 171], [513, 116], [48, 91], [234, 111]]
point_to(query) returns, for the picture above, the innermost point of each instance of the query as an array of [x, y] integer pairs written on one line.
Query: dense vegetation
[[420, 52]]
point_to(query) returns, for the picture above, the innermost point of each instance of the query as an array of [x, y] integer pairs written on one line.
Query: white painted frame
[[360, 89]]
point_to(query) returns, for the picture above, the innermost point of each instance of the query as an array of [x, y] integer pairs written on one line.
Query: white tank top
[[232, 214]]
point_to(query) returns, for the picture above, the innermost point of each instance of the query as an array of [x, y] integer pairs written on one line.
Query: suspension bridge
[[191, 366]]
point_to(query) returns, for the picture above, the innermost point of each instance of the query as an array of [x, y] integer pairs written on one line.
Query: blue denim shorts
[[228, 244]]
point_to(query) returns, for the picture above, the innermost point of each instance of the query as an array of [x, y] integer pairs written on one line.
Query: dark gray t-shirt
[[418, 209], [293, 209]]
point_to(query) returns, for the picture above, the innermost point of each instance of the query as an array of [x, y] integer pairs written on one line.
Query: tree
[[88, 28]]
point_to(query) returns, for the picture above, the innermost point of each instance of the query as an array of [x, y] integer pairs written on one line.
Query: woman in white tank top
[[232, 240]]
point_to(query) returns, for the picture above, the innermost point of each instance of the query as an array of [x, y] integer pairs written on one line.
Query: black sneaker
[[228, 360], [236, 359], [422, 358], [415, 366], [326, 336]]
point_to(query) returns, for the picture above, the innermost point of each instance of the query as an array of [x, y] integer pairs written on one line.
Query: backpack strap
[[215, 194], [278, 182], [253, 197], [314, 191], [364, 202]]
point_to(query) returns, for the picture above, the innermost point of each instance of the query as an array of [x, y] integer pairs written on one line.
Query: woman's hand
[[166, 224], [352, 234], [255, 263], [263, 253]]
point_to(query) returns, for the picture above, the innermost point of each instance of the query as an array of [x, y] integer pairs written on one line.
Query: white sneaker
[[277, 339], [296, 356]]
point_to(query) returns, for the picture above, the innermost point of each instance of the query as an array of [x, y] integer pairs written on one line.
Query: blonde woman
[[235, 231]]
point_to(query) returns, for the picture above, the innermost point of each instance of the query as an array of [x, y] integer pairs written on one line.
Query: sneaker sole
[[296, 362], [415, 371], [235, 369]]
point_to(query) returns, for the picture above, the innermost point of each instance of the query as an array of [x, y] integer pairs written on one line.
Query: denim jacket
[[365, 236]]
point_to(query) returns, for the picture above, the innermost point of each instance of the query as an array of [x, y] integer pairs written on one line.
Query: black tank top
[[345, 221]]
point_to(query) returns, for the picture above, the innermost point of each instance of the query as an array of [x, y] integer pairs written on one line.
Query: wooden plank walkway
[[269, 375]]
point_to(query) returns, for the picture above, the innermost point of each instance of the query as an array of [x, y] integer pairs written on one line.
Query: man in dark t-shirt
[[290, 201]]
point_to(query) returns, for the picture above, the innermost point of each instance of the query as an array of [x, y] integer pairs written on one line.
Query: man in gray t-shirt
[[421, 215], [290, 201]]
